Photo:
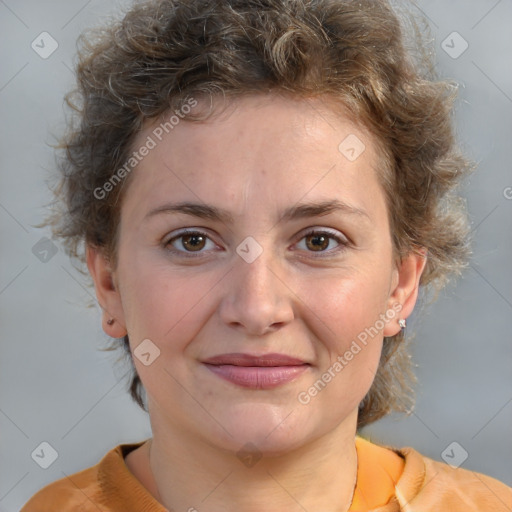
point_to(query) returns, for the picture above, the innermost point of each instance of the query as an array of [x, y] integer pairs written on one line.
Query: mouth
[[257, 372]]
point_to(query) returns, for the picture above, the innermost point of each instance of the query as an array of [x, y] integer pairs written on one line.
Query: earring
[[110, 321], [402, 323]]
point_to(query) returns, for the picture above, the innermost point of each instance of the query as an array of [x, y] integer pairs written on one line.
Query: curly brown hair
[[358, 53]]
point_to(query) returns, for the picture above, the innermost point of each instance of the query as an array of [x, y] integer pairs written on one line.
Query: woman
[[263, 188]]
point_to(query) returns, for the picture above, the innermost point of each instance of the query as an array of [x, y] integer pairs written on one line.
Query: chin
[[268, 429]]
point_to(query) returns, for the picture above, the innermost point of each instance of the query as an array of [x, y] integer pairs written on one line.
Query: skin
[[263, 155]]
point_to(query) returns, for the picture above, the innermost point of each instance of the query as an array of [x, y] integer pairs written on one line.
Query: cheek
[[343, 308], [169, 309], [344, 317], [162, 303]]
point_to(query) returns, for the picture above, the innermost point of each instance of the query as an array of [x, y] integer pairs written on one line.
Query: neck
[[186, 473]]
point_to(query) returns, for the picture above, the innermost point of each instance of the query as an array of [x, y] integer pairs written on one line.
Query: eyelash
[[343, 243]]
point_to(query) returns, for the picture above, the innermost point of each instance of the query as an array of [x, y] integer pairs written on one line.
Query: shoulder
[[429, 485], [89, 490], [79, 491]]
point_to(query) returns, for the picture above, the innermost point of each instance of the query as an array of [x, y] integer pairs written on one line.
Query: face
[[253, 254]]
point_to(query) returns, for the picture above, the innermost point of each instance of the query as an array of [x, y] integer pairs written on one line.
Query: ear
[[106, 292], [404, 288]]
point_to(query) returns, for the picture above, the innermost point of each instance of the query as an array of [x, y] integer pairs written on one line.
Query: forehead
[[269, 146]]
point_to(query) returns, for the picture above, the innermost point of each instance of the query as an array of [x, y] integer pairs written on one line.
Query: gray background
[[57, 386]]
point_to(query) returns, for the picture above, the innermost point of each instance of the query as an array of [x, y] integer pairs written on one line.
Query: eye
[[321, 241], [191, 242]]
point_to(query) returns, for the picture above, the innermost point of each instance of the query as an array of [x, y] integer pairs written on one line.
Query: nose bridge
[[256, 280], [256, 298]]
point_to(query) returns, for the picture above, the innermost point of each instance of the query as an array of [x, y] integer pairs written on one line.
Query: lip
[[266, 371], [239, 359]]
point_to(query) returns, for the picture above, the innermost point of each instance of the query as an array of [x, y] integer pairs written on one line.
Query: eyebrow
[[300, 211]]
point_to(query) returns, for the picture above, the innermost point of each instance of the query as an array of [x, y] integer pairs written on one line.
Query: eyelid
[[343, 241], [328, 231], [182, 232]]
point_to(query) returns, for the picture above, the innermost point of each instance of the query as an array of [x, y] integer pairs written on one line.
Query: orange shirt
[[387, 481], [378, 471]]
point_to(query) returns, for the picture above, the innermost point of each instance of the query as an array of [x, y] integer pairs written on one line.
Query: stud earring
[[402, 323], [110, 321]]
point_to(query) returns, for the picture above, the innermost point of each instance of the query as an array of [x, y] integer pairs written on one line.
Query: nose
[[257, 299]]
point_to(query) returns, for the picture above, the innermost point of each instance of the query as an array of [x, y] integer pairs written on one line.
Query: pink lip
[[256, 372]]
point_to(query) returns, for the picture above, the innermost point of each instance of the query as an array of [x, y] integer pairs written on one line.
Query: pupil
[[193, 242], [318, 242]]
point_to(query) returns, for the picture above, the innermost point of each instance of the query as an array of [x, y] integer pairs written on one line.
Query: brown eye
[[193, 242], [323, 242], [190, 242], [317, 242]]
